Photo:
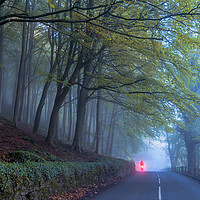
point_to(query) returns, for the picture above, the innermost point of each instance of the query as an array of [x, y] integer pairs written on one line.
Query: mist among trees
[[102, 75]]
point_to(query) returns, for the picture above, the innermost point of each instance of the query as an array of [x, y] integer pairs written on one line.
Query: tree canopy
[[136, 52]]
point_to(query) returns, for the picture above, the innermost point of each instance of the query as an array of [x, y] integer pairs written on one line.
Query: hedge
[[39, 180]]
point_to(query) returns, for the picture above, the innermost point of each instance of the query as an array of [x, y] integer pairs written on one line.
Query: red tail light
[[142, 165]]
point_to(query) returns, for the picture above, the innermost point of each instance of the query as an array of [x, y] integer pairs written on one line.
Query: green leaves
[[15, 176]]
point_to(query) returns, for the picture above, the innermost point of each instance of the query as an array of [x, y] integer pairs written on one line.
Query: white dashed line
[[159, 189], [159, 193]]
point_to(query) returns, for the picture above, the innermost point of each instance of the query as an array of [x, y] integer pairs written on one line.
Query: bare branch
[[115, 89], [157, 19]]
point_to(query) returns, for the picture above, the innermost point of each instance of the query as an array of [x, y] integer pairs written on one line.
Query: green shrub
[[31, 175], [24, 156], [27, 138]]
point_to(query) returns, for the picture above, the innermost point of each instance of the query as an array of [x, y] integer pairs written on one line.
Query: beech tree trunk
[[110, 139], [46, 87], [85, 127], [22, 95], [33, 100], [81, 108], [98, 132], [29, 64], [64, 120], [54, 116], [20, 73], [171, 153], [104, 120], [60, 96], [190, 146], [40, 107], [76, 145], [191, 153], [91, 113], [70, 118]]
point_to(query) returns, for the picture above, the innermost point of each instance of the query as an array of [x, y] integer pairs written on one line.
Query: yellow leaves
[[51, 3]]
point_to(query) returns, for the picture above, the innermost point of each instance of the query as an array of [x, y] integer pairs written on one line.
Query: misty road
[[153, 186]]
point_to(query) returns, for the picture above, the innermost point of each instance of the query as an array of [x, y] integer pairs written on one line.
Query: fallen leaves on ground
[[12, 139], [89, 191]]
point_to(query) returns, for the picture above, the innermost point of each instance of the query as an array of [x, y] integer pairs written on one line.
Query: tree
[[141, 48], [20, 73], [52, 70], [176, 149]]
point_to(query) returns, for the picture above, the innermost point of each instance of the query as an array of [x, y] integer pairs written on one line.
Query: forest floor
[[12, 139]]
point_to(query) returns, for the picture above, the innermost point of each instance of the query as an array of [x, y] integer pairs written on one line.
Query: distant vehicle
[[141, 165]]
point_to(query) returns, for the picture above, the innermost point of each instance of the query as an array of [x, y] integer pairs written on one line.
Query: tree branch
[[156, 19], [113, 89], [122, 33]]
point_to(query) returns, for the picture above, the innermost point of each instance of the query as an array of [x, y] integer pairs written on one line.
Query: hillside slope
[[12, 140]]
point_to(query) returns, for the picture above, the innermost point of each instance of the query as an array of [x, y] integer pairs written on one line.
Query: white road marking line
[[159, 193], [159, 189]]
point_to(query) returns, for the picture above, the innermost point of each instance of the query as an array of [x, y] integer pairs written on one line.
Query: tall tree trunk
[[90, 123], [46, 112], [76, 145], [54, 116], [33, 99], [85, 128], [50, 107], [63, 91], [40, 107], [110, 133], [64, 120], [190, 146], [191, 153], [20, 117], [81, 108], [60, 96], [70, 117], [174, 151], [98, 132], [46, 86], [29, 64], [56, 137], [20, 73], [112, 138], [104, 125], [82, 100], [102, 131], [171, 152]]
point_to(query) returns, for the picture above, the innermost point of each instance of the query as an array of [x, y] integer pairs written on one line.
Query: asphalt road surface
[[154, 186]]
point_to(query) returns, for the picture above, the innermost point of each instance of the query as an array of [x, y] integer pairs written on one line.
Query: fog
[[155, 158]]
